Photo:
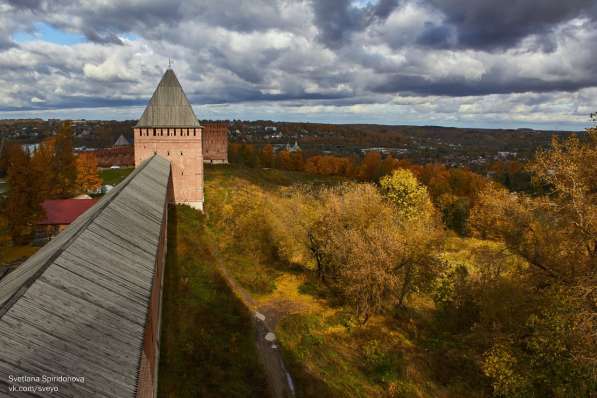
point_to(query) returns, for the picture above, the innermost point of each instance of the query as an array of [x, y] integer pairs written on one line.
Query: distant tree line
[[453, 190]]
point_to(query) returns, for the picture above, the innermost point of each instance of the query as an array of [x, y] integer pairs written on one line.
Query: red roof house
[[60, 213], [64, 211]]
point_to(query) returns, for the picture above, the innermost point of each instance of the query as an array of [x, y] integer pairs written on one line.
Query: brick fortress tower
[[169, 128]]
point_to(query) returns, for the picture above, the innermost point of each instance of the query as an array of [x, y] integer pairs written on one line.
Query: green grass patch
[[115, 176], [208, 341], [324, 358], [265, 178], [251, 273]]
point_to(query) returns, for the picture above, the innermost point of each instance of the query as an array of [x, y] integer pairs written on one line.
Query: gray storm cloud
[[335, 56]]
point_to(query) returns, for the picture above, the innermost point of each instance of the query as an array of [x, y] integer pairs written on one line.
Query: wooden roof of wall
[[78, 307]]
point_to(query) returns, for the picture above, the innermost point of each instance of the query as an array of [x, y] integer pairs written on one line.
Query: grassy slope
[[207, 344], [327, 353], [114, 176]]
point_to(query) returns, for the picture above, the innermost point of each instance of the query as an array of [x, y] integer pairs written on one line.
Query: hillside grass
[[327, 352], [115, 176], [208, 340]]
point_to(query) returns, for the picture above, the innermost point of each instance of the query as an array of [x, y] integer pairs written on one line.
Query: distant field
[[115, 176]]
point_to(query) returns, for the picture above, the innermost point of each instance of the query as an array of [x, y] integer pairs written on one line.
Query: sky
[[465, 63]]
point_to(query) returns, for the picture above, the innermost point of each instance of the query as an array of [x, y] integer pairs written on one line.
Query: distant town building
[[293, 148], [506, 155], [30, 148], [385, 151], [169, 128], [215, 143]]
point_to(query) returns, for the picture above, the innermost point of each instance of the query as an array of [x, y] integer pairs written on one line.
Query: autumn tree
[[233, 152], [267, 156], [88, 179], [370, 169], [406, 193], [551, 350], [22, 205], [3, 157], [248, 155], [41, 167], [297, 162], [63, 170], [4, 231], [388, 165], [417, 216], [368, 251], [283, 160]]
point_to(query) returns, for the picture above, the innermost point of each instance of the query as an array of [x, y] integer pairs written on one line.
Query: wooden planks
[[79, 306]]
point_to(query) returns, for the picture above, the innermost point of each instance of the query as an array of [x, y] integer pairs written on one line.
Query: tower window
[[181, 153], [168, 153]]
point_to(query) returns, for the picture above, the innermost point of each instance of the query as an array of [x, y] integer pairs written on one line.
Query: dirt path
[[278, 378]]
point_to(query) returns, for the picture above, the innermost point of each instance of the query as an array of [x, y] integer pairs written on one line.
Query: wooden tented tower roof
[[168, 106], [79, 306]]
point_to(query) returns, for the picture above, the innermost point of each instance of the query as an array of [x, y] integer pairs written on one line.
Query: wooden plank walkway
[[79, 306]]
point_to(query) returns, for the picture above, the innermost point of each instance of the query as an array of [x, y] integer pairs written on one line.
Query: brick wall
[[215, 143], [149, 365]]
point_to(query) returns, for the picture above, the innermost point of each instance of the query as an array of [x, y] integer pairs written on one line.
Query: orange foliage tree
[[88, 179], [267, 156], [283, 160]]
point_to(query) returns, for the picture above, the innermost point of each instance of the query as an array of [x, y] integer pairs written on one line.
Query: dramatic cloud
[[490, 24], [459, 62]]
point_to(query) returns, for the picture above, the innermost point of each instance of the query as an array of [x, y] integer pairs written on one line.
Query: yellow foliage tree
[[88, 180], [406, 193]]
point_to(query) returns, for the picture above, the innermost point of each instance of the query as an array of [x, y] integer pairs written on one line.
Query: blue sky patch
[[45, 32]]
